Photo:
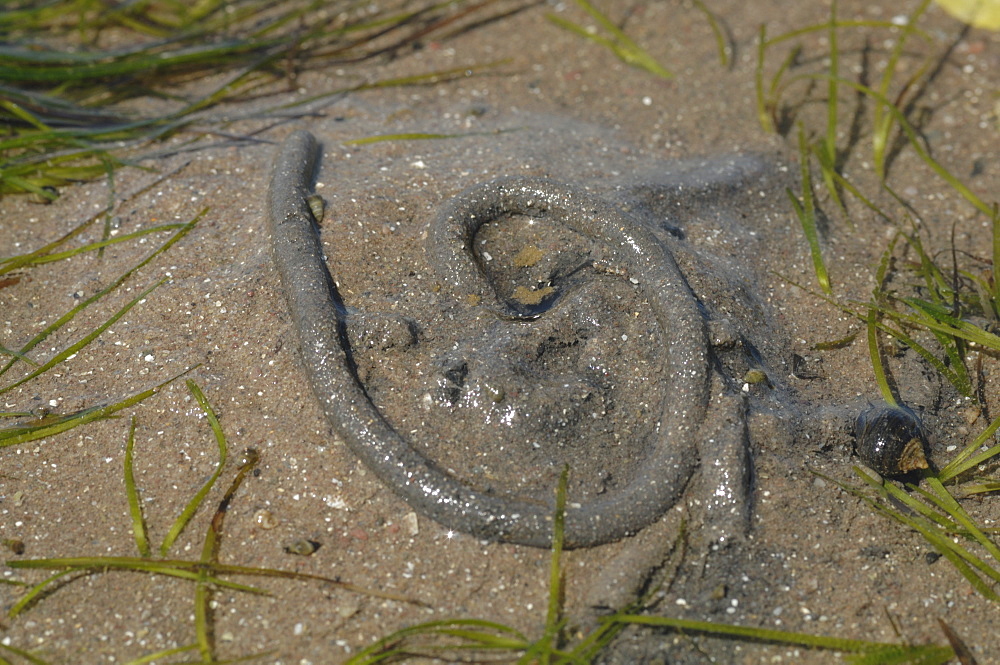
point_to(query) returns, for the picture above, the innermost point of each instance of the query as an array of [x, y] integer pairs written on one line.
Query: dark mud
[[565, 335]]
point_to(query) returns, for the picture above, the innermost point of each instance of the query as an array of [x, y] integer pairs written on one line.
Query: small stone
[[410, 522]]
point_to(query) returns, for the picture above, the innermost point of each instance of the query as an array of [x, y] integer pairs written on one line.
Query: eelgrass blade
[[938, 318], [204, 626], [959, 557], [983, 297], [945, 370], [827, 167], [619, 43], [192, 506], [83, 566], [17, 354], [20, 653], [767, 103], [914, 140], [964, 561], [159, 655], [17, 435], [101, 244], [995, 227], [946, 502], [230, 36], [829, 146], [882, 122], [756, 634], [545, 650], [7, 582], [981, 488], [189, 569], [553, 615], [721, 43], [967, 459], [87, 339], [204, 623], [19, 63], [894, 494], [68, 316], [875, 355], [587, 649], [825, 26], [806, 212], [627, 50], [764, 115], [230, 569], [480, 640], [37, 590], [139, 530], [958, 378], [954, 350], [8, 264], [429, 78], [872, 323], [834, 344], [387, 648], [936, 362], [11, 263]]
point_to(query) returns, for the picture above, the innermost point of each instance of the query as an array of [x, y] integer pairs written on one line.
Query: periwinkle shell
[[891, 440]]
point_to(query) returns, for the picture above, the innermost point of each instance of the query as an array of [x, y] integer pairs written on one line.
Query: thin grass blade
[[159, 655], [66, 318], [891, 493], [192, 506], [752, 633], [964, 561], [914, 140], [203, 618], [967, 459], [721, 43], [101, 244], [18, 435], [875, 356], [764, 115], [947, 503], [882, 122], [35, 591], [389, 647], [828, 165], [87, 339], [139, 530], [806, 212], [619, 43], [995, 225], [938, 364], [411, 136], [20, 653], [553, 615]]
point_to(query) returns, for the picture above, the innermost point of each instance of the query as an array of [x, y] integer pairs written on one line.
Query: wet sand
[[813, 559]]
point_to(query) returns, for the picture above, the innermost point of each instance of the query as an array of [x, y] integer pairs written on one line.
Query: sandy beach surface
[[788, 550]]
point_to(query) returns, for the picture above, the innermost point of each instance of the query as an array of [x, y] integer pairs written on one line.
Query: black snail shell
[[891, 440]]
